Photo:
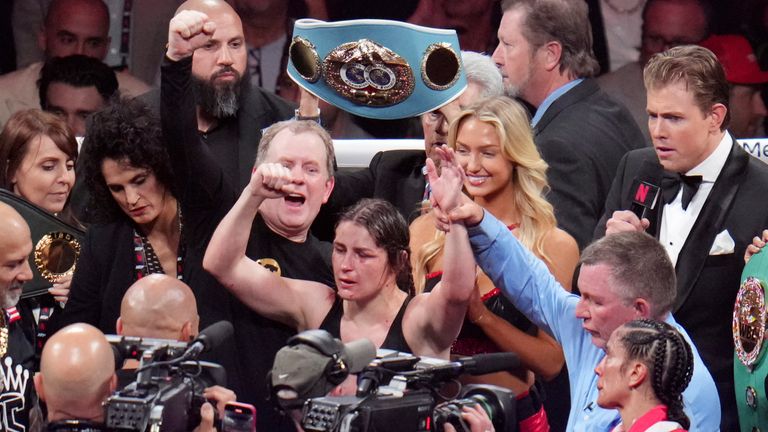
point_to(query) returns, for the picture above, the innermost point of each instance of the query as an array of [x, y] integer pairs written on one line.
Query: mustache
[[225, 70]]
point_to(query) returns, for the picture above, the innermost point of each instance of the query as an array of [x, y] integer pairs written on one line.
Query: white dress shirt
[[676, 223]]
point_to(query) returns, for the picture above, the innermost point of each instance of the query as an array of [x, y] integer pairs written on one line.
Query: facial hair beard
[[10, 297], [220, 100]]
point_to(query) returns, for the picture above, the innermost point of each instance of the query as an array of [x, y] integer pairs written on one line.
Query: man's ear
[[637, 374], [186, 332], [553, 52], [642, 308], [329, 184], [717, 117], [119, 326], [113, 383], [38, 379]]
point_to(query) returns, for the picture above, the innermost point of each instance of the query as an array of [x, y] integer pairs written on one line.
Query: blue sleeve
[[524, 279]]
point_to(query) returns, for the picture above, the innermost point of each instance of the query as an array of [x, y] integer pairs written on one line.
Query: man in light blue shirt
[[623, 277]]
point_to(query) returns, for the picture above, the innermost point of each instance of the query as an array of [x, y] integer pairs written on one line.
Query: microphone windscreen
[[493, 362], [358, 354], [215, 334], [650, 172]]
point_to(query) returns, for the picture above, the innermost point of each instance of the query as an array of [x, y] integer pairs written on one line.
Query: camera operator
[[163, 307], [77, 373]]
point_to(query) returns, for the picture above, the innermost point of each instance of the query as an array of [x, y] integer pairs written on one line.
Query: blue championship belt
[[377, 68], [749, 366]]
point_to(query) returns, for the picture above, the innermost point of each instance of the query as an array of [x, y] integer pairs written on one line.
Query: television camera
[[168, 391], [395, 391]]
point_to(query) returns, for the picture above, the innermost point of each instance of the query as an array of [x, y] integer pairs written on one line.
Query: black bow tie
[[671, 184]]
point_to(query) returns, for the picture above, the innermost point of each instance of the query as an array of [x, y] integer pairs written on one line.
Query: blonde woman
[[506, 175]]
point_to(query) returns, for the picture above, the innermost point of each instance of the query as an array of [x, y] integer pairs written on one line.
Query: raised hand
[[188, 31], [271, 180], [446, 187]]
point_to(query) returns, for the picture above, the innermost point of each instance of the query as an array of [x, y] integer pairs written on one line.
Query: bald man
[[77, 373], [163, 307], [231, 110], [17, 353], [70, 27], [159, 306]]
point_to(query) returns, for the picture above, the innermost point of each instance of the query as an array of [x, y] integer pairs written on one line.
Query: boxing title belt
[[749, 366], [57, 245], [377, 68]]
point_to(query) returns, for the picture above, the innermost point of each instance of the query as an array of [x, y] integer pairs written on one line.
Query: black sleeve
[[570, 172], [613, 200], [85, 293], [349, 188], [198, 177]]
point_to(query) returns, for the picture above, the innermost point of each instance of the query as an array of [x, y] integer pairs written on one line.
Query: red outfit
[[654, 417]]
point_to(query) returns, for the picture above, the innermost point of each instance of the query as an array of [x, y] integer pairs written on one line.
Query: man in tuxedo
[[398, 176], [708, 206], [545, 55]]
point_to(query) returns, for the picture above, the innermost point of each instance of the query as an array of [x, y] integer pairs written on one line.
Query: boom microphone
[[210, 338], [479, 364], [645, 189]]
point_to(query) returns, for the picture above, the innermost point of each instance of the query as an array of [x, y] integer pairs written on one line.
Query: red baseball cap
[[737, 57]]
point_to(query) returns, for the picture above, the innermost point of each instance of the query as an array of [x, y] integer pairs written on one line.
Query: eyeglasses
[[434, 117]]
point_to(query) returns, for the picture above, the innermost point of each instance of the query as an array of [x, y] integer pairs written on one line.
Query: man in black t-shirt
[[17, 352]]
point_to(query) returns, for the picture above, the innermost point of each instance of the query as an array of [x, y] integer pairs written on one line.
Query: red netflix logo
[[642, 192]]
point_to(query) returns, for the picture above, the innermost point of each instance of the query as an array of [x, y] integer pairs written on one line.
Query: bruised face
[[361, 267]]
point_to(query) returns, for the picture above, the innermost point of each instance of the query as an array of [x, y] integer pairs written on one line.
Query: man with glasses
[[666, 24]]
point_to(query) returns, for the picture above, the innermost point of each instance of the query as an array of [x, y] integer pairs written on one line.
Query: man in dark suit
[[708, 208], [398, 175], [545, 54]]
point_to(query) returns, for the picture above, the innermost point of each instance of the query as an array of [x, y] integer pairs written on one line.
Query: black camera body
[[168, 390], [401, 394]]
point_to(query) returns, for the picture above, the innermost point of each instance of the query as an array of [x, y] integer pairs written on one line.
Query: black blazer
[[707, 284], [582, 136], [393, 175]]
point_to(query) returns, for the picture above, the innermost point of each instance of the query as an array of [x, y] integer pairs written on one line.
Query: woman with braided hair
[[646, 367]]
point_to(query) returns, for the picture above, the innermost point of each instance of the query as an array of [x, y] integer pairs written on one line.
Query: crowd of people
[[215, 197]]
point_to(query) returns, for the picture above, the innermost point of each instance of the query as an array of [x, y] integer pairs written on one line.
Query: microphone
[[210, 338], [479, 364], [645, 189], [357, 354]]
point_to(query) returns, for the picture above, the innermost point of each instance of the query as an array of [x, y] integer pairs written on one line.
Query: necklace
[[624, 10]]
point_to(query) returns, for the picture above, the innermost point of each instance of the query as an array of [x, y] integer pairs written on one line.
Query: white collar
[[710, 167]]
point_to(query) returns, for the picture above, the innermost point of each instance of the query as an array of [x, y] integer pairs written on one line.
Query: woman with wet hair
[[647, 366]]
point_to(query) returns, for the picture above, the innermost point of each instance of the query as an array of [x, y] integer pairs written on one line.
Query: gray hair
[[640, 268], [481, 70]]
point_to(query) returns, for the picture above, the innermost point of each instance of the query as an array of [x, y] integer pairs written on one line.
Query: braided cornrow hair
[[669, 358]]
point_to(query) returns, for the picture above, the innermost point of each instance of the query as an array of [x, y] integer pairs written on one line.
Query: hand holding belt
[[671, 184]]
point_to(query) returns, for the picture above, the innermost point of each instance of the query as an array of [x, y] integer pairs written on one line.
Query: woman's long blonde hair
[[529, 180]]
